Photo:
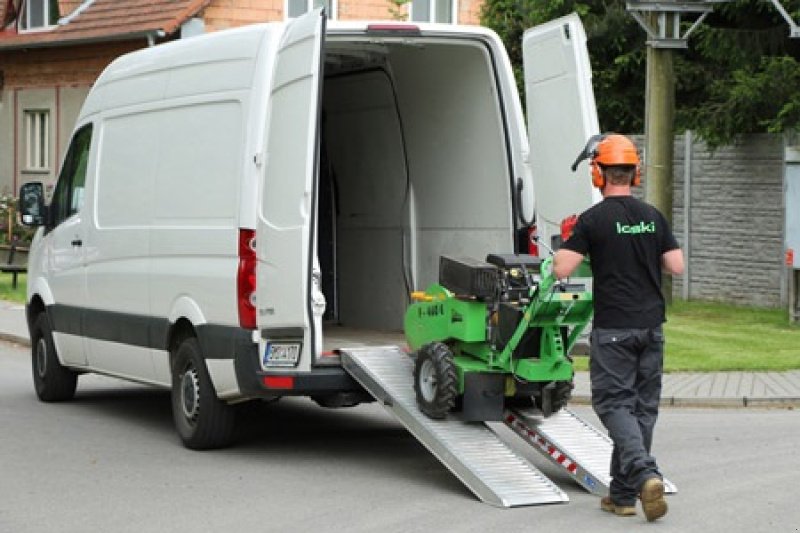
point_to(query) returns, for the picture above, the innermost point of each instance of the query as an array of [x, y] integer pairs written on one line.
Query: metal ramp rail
[[572, 443], [475, 454]]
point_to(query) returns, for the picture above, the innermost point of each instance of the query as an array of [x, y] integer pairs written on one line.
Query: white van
[[235, 207]]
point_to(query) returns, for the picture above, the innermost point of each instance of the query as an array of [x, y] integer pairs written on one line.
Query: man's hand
[[565, 262]]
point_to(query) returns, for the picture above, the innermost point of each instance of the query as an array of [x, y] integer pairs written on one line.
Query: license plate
[[281, 354]]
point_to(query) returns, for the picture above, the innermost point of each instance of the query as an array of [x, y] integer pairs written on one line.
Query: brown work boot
[[608, 505], [652, 495]]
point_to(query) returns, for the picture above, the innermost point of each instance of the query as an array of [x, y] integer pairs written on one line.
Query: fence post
[[687, 212]]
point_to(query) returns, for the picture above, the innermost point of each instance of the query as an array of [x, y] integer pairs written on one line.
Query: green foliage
[[616, 44], [398, 9], [740, 74], [10, 228]]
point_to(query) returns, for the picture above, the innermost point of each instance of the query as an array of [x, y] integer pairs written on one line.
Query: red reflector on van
[[279, 382], [394, 29], [533, 244], [246, 279]]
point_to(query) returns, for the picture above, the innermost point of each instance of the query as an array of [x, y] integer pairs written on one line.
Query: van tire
[[202, 420], [53, 381]]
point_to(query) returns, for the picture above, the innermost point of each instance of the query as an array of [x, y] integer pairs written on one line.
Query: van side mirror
[[32, 210]]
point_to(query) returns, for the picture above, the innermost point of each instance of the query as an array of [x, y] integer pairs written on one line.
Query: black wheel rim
[[40, 358], [190, 394], [428, 380]]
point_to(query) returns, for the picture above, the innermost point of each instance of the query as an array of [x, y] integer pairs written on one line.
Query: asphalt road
[[110, 461]]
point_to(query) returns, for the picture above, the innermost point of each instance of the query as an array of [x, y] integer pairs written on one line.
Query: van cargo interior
[[414, 164]]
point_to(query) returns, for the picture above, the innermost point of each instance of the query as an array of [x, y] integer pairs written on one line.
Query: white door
[[285, 240], [66, 271], [561, 117]]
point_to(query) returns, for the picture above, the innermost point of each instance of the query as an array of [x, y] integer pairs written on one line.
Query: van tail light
[[533, 246], [246, 279]]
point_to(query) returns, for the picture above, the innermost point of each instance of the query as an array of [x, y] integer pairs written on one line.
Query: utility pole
[[659, 135], [659, 128], [662, 22]]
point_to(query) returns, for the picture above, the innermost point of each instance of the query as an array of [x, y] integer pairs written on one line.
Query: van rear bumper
[[255, 382]]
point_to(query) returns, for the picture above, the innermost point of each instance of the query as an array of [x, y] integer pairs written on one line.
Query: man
[[629, 244]]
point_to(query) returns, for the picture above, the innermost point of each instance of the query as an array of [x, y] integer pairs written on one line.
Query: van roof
[[151, 73]]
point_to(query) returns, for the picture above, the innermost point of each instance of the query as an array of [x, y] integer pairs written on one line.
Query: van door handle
[[77, 242]]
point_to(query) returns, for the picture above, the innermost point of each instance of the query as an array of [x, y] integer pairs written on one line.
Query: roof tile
[[108, 20]]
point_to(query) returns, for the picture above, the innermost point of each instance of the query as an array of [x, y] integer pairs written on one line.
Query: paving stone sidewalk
[[724, 389]]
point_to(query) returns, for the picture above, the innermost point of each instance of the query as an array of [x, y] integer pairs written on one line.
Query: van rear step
[[475, 454]]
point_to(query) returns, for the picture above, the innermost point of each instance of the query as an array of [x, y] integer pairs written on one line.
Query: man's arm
[[672, 262], [565, 262]]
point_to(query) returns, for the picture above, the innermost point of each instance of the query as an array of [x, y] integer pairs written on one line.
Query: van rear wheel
[[201, 419], [53, 381]]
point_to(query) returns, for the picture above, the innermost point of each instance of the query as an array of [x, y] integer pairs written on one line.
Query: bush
[[10, 228]]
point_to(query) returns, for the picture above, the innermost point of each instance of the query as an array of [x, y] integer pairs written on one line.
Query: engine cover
[[468, 277]]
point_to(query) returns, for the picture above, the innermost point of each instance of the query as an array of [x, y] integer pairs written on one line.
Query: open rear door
[[285, 241], [561, 118]]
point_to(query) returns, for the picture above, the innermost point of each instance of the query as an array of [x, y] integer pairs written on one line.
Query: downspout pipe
[[152, 36]]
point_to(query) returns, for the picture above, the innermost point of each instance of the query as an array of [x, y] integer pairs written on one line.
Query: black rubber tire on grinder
[[435, 381]]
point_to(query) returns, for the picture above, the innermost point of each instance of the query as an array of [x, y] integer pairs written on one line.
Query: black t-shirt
[[625, 239]]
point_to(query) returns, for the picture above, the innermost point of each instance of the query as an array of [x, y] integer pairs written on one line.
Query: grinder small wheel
[[435, 382]]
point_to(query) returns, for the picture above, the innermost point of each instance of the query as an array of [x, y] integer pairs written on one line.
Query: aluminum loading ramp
[[570, 442], [475, 454]]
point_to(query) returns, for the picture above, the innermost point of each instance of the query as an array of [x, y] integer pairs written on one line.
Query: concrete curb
[[782, 402], [16, 339]]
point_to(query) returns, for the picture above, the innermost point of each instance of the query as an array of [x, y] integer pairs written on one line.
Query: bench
[[10, 267]]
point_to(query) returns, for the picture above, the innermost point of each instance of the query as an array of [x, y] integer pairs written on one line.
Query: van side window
[[68, 196]]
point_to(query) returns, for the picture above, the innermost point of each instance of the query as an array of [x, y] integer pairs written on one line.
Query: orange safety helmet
[[615, 149], [610, 149]]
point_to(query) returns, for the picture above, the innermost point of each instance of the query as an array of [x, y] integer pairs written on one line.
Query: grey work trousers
[[625, 369]]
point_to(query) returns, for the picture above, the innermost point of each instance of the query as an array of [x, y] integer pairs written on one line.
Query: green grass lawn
[[9, 294], [709, 337]]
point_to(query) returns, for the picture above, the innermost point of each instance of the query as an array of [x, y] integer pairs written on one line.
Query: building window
[[37, 140], [295, 8], [433, 11], [38, 14]]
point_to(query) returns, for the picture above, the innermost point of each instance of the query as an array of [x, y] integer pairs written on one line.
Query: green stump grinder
[[496, 334]]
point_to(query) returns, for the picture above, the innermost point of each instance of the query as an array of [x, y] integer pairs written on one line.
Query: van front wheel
[[53, 381], [202, 420]]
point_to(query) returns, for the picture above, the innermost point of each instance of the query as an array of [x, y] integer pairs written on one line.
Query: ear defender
[[598, 180], [637, 176]]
